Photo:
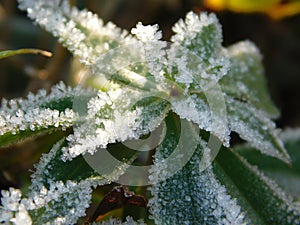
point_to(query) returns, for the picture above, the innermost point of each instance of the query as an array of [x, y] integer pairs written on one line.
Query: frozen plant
[[196, 92]]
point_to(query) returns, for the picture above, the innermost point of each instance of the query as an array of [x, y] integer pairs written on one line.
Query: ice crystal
[[155, 54], [147, 33], [113, 221], [12, 209]]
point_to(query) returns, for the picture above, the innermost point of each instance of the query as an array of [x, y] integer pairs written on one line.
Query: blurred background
[[273, 25]]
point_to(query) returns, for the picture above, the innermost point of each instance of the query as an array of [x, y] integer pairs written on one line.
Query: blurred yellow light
[[274, 8]]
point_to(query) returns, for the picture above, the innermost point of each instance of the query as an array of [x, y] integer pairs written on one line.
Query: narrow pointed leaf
[[269, 201], [255, 127], [9, 53], [287, 176]]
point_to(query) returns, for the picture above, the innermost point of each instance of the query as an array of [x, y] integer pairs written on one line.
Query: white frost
[[114, 221], [12, 209], [22, 114]]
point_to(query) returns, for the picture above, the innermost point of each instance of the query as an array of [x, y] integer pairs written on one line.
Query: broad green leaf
[[270, 202], [9, 53], [181, 193], [256, 128], [230, 192], [245, 80]]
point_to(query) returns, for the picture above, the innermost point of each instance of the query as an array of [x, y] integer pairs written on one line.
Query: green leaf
[[201, 34], [196, 57], [40, 113], [182, 194], [245, 79], [64, 187], [232, 191], [287, 176], [9, 138], [154, 110], [116, 115], [9, 53], [256, 128], [52, 168], [269, 201]]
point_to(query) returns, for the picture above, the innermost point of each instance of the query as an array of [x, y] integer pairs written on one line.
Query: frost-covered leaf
[[82, 32], [201, 34], [245, 79], [287, 176], [154, 110], [208, 115], [109, 52], [115, 116], [188, 196], [196, 57], [60, 203], [61, 191], [231, 191], [21, 118], [52, 168], [254, 126], [271, 204]]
